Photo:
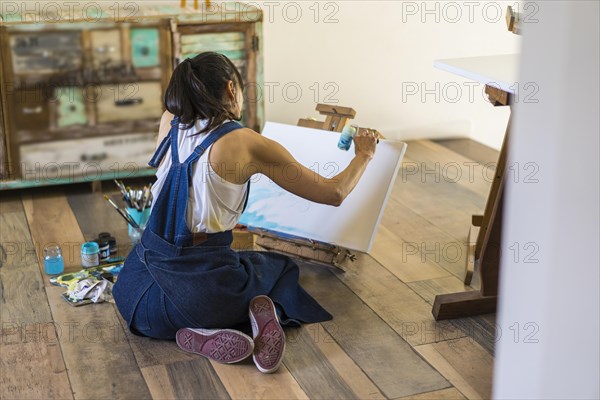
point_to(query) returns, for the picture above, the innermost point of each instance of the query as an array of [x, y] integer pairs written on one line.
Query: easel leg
[[476, 221], [486, 254]]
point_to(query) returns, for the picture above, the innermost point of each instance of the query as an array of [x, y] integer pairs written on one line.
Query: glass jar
[[53, 260]]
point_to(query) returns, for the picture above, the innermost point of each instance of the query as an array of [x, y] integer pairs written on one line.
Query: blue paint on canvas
[[263, 209]]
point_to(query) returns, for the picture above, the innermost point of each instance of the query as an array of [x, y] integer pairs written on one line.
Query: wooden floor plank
[[33, 369], [404, 258], [481, 328], [443, 186], [195, 380], [430, 288], [23, 299], [424, 241], [157, 378], [442, 206], [464, 363], [352, 374], [396, 303], [313, 371], [453, 167], [31, 362], [471, 149], [95, 215], [244, 381], [444, 394], [100, 363], [371, 343], [446, 205], [10, 202]]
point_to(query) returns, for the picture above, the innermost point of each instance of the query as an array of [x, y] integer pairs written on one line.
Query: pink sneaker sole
[[221, 345], [269, 339]]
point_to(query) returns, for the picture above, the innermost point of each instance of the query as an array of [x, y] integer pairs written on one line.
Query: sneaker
[[269, 339], [221, 345]]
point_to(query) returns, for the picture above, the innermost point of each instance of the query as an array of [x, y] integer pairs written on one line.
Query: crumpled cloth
[[89, 288]]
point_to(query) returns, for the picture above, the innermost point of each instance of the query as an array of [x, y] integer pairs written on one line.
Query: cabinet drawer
[[218, 40], [45, 52], [30, 110], [70, 107], [90, 157], [106, 48], [144, 47], [230, 44], [128, 101]]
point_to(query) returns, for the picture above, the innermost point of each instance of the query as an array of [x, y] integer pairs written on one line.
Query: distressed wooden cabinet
[[82, 95]]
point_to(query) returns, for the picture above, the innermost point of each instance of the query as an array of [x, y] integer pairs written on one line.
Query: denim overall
[[174, 278]]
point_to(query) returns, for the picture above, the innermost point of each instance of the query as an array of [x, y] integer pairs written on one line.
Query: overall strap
[[174, 142], [165, 143]]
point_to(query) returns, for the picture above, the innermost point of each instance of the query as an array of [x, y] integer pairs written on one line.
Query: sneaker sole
[[269, 339], [221, 345]]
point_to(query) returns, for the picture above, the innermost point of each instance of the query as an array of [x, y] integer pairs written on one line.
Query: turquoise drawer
[[231, 44], [145, 47], [70, 107]]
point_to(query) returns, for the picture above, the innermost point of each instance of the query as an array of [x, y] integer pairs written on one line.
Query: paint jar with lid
[[104, 249], [112, 244], [104, 235], [90, 255]]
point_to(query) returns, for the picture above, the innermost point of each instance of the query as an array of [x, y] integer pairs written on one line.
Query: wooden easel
[[484, 256], [335, 121], [484, 253], [513, 20], [306, 249]]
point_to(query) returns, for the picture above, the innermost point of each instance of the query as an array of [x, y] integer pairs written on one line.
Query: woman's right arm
[[274, 161]]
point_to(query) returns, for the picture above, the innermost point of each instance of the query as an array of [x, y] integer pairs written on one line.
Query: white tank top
[[214, 204]]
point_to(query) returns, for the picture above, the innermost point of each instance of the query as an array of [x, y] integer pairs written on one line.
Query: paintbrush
[[125, 214], [123, 191], [149, 202], [145, 195]]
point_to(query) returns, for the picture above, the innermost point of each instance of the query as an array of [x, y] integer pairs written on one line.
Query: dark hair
[[197, 90]]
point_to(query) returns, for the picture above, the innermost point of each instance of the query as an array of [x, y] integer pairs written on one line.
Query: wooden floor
[[382, 342]]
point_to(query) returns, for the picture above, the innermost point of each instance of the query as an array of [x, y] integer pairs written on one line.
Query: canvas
[[351, 225]]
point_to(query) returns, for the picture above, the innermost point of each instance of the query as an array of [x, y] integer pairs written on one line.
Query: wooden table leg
[[484, 256]]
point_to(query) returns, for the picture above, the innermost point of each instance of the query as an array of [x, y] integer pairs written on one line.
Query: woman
[[183, 280]]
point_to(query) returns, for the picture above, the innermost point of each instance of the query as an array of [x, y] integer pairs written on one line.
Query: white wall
[[373, 51], [558, 216]]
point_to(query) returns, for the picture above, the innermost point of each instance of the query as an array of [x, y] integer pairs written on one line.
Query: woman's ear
[[231, 90]]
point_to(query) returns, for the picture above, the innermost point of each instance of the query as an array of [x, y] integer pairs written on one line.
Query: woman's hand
[[365, 142]]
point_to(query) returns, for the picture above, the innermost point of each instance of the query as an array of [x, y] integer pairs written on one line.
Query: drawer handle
[[94, 157], [128, 102], [29, 110]]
